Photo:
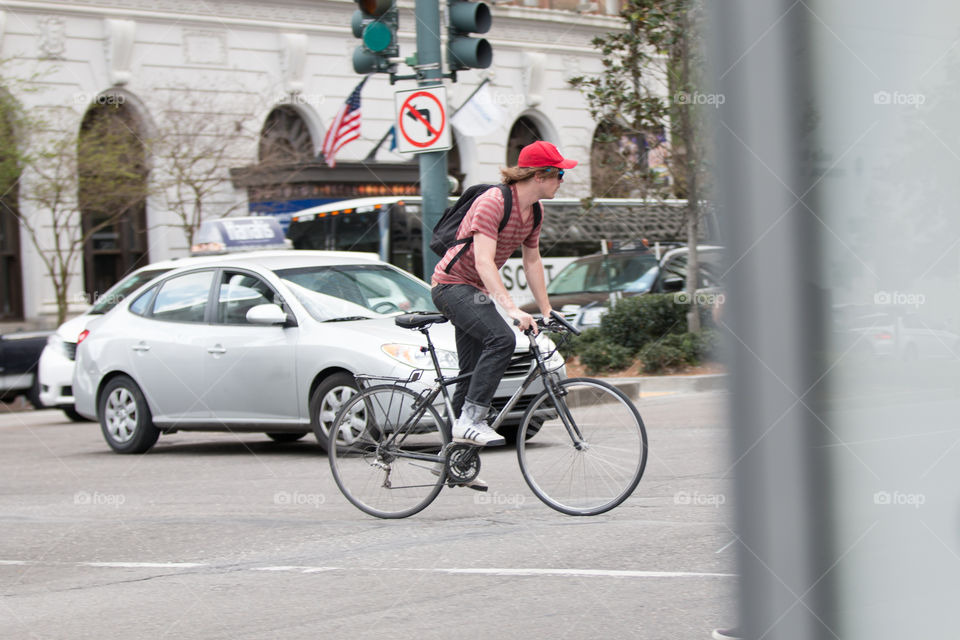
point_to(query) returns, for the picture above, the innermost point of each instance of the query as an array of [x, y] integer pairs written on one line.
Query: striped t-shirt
[[484, 217]]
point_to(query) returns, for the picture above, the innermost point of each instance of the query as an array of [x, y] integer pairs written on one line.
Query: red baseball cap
[[543, 154]]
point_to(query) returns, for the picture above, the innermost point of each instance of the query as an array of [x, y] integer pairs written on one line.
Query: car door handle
[[141, 347], [217, 350]]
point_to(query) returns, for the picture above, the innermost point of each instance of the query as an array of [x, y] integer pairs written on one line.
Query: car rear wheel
[[285, 437], [125, 418], [326, 402]]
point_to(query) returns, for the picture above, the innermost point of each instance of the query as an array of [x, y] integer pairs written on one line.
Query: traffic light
[[464, 52], [375, 23]]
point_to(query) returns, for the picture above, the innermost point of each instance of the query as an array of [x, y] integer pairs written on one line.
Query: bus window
[[356, 232]]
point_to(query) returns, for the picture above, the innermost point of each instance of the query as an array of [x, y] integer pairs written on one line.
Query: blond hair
[[512, 175]]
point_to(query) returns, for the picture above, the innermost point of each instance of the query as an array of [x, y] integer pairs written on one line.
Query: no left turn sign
[[422, 120]]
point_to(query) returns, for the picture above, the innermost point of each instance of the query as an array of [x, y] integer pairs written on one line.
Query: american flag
[[345, 126]]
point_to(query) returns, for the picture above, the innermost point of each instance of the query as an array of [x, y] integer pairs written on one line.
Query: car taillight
[[884, 335], [83, 335]]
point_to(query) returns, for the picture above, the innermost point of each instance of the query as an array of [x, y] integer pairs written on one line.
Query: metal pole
[[433, 164]]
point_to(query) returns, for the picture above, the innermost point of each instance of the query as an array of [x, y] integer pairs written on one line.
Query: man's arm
[[536, 280], [484, 250]]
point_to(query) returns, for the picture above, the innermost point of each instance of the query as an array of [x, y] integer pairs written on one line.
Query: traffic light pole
[[433, 164]]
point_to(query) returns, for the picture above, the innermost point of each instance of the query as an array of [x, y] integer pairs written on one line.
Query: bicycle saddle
[[419, 320]]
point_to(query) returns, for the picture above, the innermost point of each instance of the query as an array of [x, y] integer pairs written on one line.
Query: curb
[[633, 387]]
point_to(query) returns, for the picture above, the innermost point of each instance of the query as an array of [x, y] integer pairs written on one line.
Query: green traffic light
[[377, 36]]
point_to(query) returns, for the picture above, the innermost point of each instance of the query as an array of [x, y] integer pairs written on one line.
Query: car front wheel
[[125, 418], [326, 402]]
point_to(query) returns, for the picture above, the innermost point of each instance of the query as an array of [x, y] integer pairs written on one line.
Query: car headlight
[[411, 355], [555, 361], [591, 317]]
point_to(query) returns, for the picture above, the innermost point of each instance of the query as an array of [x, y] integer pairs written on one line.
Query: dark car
[[583, 289], [19, 354]]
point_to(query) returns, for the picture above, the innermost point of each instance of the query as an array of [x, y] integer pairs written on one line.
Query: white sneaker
[[477, 433]]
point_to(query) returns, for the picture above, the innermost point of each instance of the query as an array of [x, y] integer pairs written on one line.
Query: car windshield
[[351, 292], [632, 273], [122, 289]]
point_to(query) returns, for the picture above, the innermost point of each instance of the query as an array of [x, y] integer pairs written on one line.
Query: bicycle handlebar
[[557, 321]]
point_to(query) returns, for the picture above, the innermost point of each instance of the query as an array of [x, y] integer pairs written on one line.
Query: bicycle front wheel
[[386, 457], [590, 450]]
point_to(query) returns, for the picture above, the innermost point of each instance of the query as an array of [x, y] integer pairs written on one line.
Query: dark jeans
[[485, 342]]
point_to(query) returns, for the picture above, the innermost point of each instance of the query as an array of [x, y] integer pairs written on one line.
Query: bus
[[392, 227]]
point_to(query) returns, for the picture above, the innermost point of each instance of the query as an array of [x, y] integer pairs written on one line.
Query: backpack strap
[[507, 205]]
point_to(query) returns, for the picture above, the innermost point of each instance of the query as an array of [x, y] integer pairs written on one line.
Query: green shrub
[[677, 350], [633, 322], [602, 355]]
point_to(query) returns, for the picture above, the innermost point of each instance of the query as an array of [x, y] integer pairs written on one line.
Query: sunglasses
[[559, 172]]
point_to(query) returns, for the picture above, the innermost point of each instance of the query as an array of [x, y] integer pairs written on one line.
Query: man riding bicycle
[[465, 288]]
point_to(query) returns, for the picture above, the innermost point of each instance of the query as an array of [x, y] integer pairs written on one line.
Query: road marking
[[144, 565], [599, 573], [296, 568], [489, 571]]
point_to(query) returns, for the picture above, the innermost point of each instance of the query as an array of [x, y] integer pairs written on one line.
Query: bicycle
[[581, 444]]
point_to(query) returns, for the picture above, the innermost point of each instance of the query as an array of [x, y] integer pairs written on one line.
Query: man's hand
[[523, 320]]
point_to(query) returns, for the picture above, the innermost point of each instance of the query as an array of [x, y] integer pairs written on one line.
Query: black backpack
[[445, 231]]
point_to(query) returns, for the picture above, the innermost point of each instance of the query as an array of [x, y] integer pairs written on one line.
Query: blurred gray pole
[[771, 318], [433, 164]]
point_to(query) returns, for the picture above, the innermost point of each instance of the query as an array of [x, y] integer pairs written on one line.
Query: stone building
[[268, 76]]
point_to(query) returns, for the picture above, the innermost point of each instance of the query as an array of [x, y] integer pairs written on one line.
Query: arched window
[[112, 179], [285, 138], [524, 131], [11, 285]]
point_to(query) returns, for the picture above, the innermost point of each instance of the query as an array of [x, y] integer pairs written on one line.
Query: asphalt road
[[234, 536]]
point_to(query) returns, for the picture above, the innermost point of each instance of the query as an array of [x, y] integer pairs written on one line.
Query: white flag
[[480, 115]]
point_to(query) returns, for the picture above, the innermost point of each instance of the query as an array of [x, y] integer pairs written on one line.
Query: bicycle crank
[[463, 463]]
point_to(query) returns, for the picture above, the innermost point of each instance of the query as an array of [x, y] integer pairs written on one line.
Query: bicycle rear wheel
[[598, 465], [386, 457]]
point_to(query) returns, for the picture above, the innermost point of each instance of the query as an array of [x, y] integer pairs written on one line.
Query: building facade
[[261, 80]]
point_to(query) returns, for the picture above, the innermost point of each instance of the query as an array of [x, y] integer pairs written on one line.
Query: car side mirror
[[266, 314]]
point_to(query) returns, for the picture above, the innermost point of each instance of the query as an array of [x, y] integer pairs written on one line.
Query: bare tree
[[200, 135], [75, 186]]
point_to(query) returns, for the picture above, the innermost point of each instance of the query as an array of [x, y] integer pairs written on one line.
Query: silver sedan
[[262, 342]]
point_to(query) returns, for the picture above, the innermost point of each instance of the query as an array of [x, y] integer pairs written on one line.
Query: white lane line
[[296, 568], [488, 571], [144, 565], [599, 573]]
